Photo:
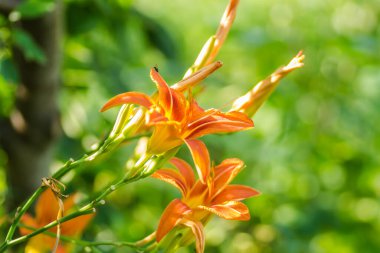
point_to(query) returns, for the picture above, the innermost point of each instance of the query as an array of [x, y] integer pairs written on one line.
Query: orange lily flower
[[46, 211], [176, 118], [199, 200]]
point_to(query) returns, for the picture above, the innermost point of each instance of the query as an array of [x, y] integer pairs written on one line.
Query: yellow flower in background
[[199, 199], [46, 211]]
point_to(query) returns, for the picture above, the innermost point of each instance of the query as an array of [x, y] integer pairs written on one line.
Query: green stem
[[89, 208], [21, 211], [128, 178], [111, 188], [70, 165], [134, 245]]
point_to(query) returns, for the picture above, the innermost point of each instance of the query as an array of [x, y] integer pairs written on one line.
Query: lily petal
[[128, 98], [185, 170], [226, 172], [221, 123], [39, 243], [29, 221], [171, 217], [164, 138], [69, 202], [46, 208], [235, 193], [197, 112], [197, 229], [172, 177], [164, 91], [173, 102], [231, 210], [201, 158], [76, 226]]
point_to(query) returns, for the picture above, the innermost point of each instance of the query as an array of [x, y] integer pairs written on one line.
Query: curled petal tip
[[296, 62], [128, 98], [110, 103], [218, 64], [154, 73], [105, 107]]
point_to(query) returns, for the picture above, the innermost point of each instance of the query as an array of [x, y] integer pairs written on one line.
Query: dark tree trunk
[[29, 135]]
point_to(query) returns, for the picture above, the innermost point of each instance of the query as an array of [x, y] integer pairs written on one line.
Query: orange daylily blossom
[[176, 118], [46, 211], [200, 200]]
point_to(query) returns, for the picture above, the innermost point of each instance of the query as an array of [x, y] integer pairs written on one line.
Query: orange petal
[[170, 218], [172, 177], [46, 208], [173, 102], [201, 158], [164, 92], [128, 98], [164, 138], [196, 112], [185, 170], [199, 194], [231, 210], [221, 123], [235, 193], [29, 221], [200, 117], [226, 172], [65, 248], [40, 243], [179, 108], [76, 226], [197, 229], [69, 202]]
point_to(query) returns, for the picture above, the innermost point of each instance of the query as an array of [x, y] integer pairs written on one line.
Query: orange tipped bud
[[211, 48], [224, 27], [197, 77], [251, 102]]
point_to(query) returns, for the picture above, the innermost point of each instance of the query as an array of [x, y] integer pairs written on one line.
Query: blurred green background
[[313, 152]]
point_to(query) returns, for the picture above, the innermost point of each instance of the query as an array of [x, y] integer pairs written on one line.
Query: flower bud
[[251, 102], [197, 77], [121, 120], [212, 46]]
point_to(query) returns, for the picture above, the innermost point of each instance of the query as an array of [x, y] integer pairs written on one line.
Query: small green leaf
[[34, 8], [27, 45], [7, 92]]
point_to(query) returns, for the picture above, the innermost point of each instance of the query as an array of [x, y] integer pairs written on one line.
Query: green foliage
[[313, 152], [26, 44], [7, 92], [34, 8]]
